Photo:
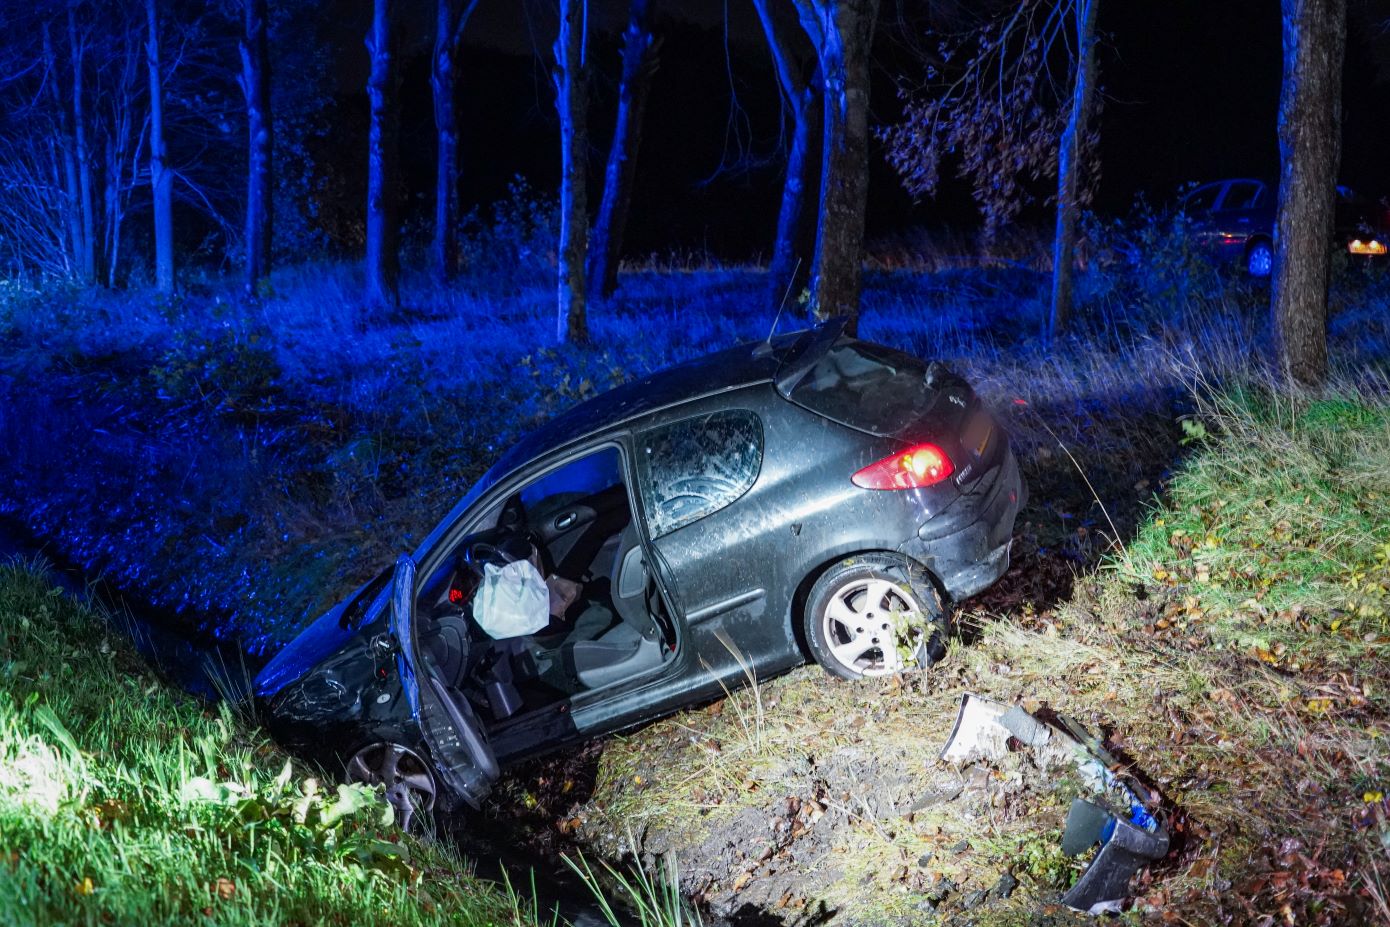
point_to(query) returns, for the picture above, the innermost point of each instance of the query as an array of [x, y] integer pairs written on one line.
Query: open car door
[[461, 756]]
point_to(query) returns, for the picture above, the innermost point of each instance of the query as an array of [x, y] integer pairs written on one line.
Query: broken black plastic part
[[1086, 823], [1128, 849]]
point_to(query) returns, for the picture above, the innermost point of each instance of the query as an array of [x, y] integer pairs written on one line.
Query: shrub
[[514, 242]]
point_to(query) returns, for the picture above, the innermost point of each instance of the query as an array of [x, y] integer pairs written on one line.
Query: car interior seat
[[633, 644]]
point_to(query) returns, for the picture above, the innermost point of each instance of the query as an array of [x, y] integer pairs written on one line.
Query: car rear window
[[866, 386]]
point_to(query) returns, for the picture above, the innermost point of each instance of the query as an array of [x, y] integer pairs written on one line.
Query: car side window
[[695, 467], [1241, 195]]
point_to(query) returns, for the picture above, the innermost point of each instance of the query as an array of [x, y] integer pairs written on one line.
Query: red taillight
[[918, 466]]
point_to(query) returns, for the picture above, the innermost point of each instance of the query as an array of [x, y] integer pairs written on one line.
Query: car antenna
[[766, 347]]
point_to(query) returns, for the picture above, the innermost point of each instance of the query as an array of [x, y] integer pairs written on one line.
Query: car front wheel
[[409, 784], [874, 615]]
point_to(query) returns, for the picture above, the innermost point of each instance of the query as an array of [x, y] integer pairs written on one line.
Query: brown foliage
[[995, 101]]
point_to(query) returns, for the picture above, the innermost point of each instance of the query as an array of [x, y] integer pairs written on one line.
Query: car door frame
[[583, 714], [457, 743], [713, 623]]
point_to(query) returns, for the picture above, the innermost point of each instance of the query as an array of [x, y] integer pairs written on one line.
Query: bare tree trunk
[[126, 172], [123, 146], [383, 258], [451, 16], [72, 213], [1310, 133], [1069, 166], [794, 246], [842, 33], [161, 178], [571, 102], [640, 49], [86, 254], [255, 86], [794, 249], [112, 244]]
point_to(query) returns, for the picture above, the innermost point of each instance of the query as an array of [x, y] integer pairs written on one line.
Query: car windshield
[[866, 386]]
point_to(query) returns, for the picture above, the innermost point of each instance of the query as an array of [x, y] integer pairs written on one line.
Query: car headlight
[[1357, 246]]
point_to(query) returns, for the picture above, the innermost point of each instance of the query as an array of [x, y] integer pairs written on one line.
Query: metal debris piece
[[976, 734], [1130, 837], [1029, 730]]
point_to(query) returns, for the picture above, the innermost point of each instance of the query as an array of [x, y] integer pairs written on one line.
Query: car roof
[[746, 364], [741, 365]]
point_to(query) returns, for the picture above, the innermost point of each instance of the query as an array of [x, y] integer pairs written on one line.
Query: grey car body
[[736, 472]]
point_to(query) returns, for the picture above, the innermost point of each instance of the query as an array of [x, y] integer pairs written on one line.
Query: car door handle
[[564, 521]]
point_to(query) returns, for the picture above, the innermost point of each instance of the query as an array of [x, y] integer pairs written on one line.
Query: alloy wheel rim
[[410, 788], [862, 625]]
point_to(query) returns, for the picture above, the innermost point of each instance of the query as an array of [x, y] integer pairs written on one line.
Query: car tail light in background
[[1373, 246], [918, 466]]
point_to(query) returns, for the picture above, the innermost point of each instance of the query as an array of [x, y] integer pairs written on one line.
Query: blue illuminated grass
[[245, 463]]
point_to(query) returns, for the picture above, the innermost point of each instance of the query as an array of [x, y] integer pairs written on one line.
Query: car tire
[[410, 785], [874, 615], [1259, 259]]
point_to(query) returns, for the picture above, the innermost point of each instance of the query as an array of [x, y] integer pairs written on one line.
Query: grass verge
[[123, 801]]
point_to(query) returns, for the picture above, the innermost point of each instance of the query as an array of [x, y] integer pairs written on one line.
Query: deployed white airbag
[[513, 601]]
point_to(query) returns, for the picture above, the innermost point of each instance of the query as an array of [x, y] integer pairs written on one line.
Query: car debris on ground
[[1121, 815]]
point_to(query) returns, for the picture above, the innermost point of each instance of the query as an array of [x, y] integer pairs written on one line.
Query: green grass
[[1277, 531], [123, 801]]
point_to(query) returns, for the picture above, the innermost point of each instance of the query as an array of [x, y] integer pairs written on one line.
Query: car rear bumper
[[966, 547]]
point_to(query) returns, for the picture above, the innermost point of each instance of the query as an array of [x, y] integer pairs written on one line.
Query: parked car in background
[[1234, 220], [810, 497]]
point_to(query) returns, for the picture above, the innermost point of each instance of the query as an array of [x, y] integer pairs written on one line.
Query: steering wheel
[[500, 548]]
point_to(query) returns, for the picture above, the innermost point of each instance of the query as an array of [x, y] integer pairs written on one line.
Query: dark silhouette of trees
[[161, 177], [383, 230], [1310, 131], [255, 86], [1069, 157], [994, 99], [800, 81], [571, 103], [640, 48], [451, 16], [841, 31]]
